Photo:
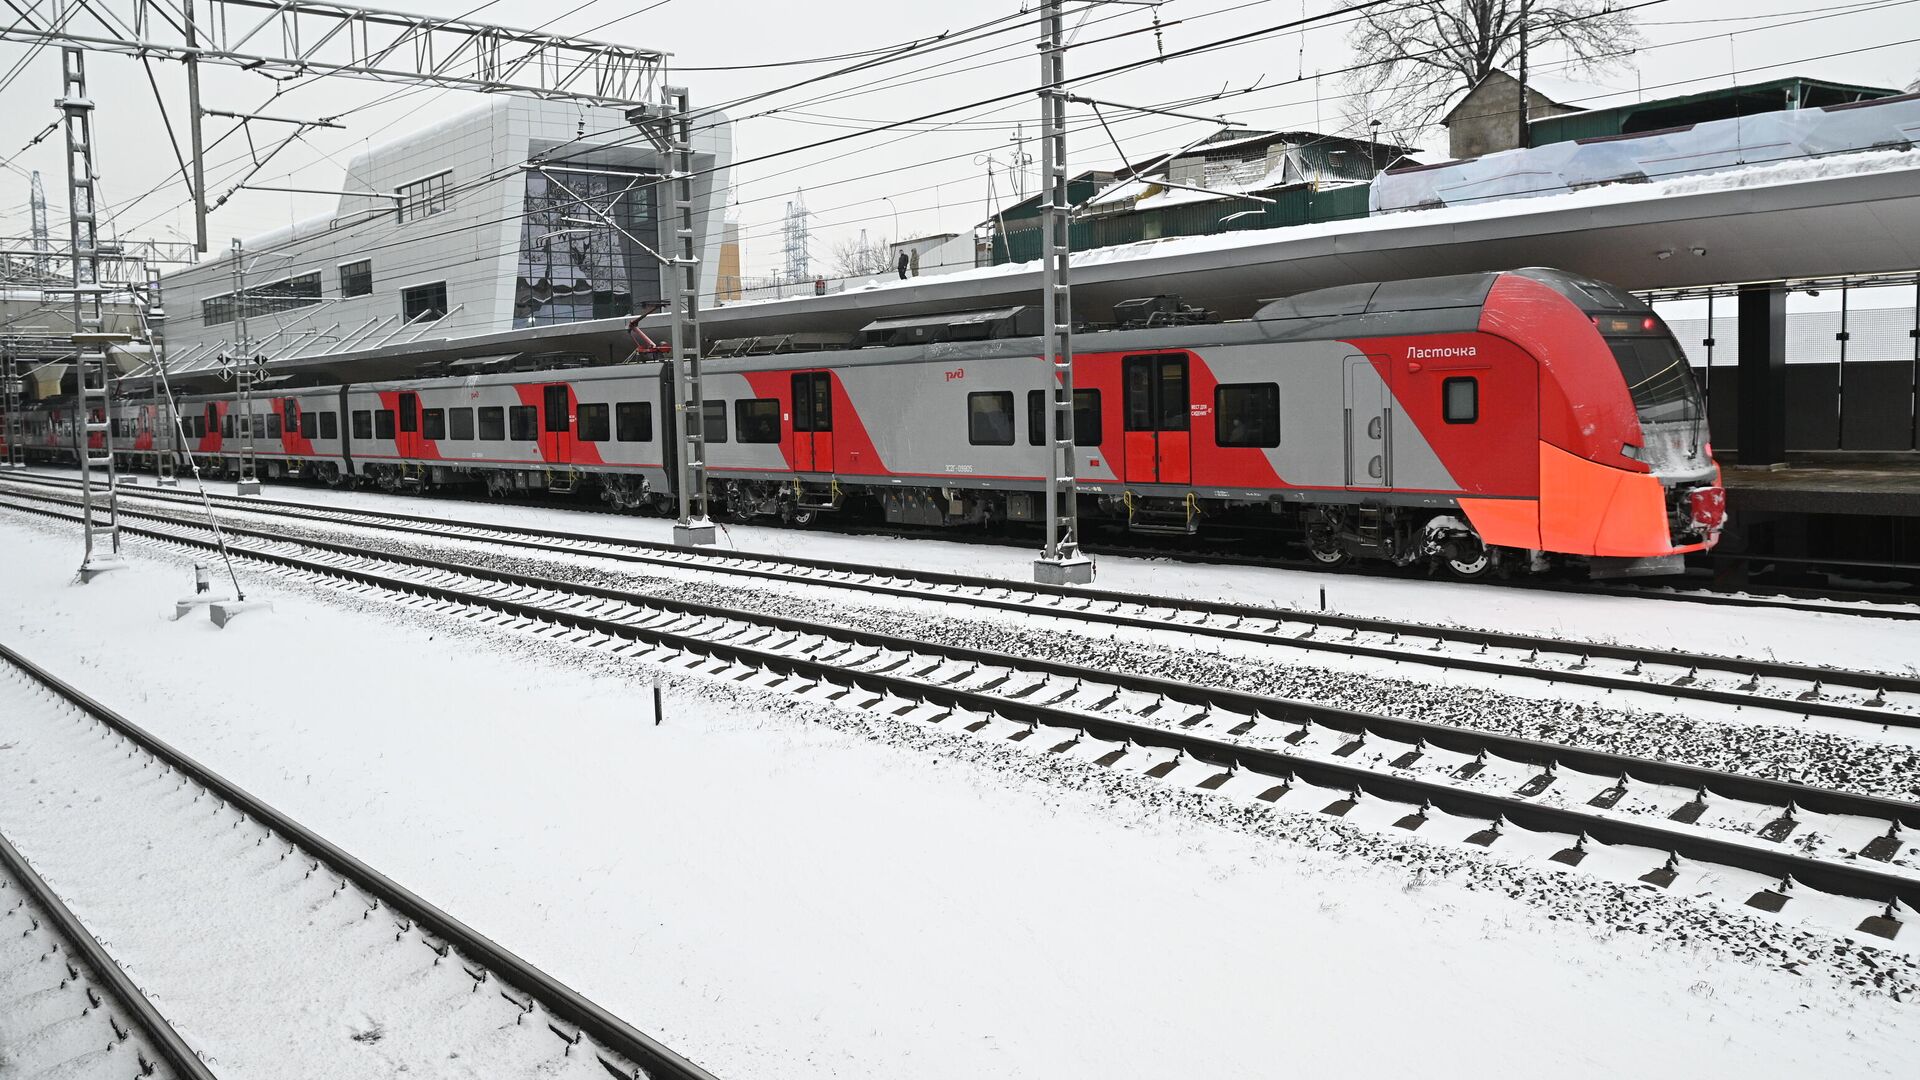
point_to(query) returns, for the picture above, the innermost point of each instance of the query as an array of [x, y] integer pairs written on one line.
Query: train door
[[812, 422], [406, 436], [1367, 422], [556, 434], [1158, 410]]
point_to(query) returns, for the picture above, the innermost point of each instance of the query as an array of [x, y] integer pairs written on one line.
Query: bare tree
[[859, 257], [1417, 56]]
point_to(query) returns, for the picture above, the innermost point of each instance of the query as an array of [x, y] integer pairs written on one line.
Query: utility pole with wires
[[244, 366], [1061, 562], [93, 379], [670, 127]]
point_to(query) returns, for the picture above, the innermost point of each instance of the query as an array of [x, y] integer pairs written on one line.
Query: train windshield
[[1658, 378]]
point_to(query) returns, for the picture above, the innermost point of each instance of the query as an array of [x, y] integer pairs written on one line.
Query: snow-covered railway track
[[257, 934], [1779, 847], [1874, 698], [66, 1008]]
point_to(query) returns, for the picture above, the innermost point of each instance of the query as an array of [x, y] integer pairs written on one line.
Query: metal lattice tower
[[11, 389], [797, 238], [42, 243], [167, 423], [93, 379], [680, 280], [245, 370], [1061, 562]]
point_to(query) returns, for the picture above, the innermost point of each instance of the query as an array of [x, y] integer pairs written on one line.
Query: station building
[[448, 233]]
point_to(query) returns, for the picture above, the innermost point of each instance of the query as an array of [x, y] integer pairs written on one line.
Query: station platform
[[1886, 486], [1842, 507]]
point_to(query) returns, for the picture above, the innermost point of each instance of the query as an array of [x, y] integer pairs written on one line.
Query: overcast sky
[[935, 174]]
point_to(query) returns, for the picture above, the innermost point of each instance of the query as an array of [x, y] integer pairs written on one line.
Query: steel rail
[[1830, 876], [564, 1002], [715, 562], [165, 1040]]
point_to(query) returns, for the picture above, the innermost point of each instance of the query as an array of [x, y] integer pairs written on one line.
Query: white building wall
[[473, 246]]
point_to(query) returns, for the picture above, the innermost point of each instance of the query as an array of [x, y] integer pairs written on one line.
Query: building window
[[523, 423], [268, 298], [433, 424], [633, 421], [575, 265], [1461, 397], [460, 425], [1086, 417], [356, 278], [757, 420], [424, 302], [423, 198], [1246, 414], [493, 424], [990, 418], [593, 421]]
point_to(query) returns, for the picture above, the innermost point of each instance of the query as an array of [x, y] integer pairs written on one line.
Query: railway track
[[66, 1008], [1834, 857], [1874, 698], [165, 838]]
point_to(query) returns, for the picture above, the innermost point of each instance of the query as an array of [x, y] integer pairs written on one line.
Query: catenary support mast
[[1062, 562], [93, 378]]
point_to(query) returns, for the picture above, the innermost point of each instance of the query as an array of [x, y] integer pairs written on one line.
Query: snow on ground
[[1785, 635], [778, 898]]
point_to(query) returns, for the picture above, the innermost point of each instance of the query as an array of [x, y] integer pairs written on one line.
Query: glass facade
[[574, 266]]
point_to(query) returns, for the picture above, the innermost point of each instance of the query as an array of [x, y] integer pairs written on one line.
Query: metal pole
[[247, 477], [1061, 563], [193, 125], [93, 384], [165, 459], [1520, 139], [680, 286]]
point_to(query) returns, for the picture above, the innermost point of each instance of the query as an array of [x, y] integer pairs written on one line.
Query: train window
[[460, 425], [273, 425], [990, 418], [1462, 399], [493, 424], [633, 421], [713, 421], [523, 423], [433, 424], [1246, 414], [409, 412], [292, 409], [757, 420], [591, 421], [558, 403], [1086, 417], [309, 424], [329, 425], [383, 424], [362, 424], [1155, 393], [212, 420]]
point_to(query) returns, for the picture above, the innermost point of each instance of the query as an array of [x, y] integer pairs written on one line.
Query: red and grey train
[[1470, 422]]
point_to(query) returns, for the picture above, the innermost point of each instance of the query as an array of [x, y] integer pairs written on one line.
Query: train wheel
[[1471, 566], [1328, 553], [800, 518]]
